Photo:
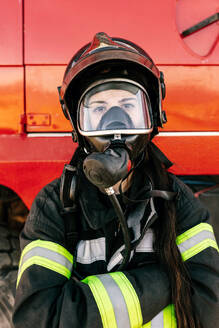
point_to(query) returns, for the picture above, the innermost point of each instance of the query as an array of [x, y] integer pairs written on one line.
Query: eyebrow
[[127, 99], [105, 102], [97, 102]]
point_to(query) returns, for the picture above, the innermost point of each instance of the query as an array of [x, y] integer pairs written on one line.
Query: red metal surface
[[28, 178], [191, 155], [42, 97], [38, 119], [54, 32], [29, 163], [11, 99], [189, 13], [191, 103], [11, 48], [192, 100]]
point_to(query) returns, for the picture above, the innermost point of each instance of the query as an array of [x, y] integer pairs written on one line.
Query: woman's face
[[102, 101]]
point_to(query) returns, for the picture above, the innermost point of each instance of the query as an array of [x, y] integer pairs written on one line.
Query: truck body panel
[[38, 38]]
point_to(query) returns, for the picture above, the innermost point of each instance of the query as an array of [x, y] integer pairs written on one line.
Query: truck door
[[11, 67]]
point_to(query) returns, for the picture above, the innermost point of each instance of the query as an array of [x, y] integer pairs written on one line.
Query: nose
[[115, 118]]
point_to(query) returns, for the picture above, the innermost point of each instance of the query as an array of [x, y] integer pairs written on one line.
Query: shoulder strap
[[68, 200]]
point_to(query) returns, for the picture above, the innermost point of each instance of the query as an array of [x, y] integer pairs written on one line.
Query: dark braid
[[167, 250]]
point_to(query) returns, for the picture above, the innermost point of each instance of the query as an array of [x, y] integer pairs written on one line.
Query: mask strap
[[149, 192]]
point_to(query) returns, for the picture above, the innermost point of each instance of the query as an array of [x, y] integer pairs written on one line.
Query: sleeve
[[198, 246], [48, 295]]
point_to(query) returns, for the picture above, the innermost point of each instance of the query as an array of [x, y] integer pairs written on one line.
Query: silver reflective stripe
[[164, 319], [116, 258], [48, 254], [89, 251], [146, 244], [158, 322], [196, 239], [117, 300]]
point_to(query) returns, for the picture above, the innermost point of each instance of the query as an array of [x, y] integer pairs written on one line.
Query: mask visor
[[114, 107]]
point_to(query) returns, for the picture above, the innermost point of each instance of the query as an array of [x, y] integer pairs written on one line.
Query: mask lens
[[114, 108]]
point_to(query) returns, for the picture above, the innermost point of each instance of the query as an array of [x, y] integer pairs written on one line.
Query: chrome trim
[[110, 191], [161, 134], [48, 134], [112, 132], [189, 134], [117, 136]]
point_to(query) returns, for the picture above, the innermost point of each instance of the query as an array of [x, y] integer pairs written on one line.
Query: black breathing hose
[[127, 251], [104, 170]]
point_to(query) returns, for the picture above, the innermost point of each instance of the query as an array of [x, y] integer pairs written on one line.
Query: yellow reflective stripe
[[193, 231], [103, 301], [46, 263], [124, 296], [131, 299], [169, 319], [49, 245], [202, 234], [164, 319], [148, 325], [199, 248], [47, 254]]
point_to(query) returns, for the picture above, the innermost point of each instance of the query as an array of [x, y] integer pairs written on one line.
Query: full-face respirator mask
[[114, 117]]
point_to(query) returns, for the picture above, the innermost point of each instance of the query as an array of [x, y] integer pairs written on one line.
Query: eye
[[127, 106], [99, 109]]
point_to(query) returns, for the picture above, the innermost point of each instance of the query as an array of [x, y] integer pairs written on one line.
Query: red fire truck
[[39, 37]]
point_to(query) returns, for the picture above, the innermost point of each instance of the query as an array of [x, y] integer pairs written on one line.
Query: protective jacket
[[50, 295]]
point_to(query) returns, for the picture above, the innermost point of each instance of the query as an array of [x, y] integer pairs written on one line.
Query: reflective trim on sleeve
[[169, 318], [164, 319], [114, 293], [131, 299], [195, 240], [116, 299], [47, 254], [103, 301]]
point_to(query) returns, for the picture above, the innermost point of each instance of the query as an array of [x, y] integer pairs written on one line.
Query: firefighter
[[117, 241]]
